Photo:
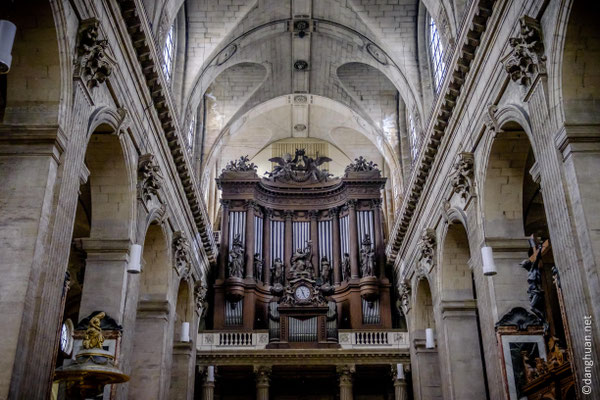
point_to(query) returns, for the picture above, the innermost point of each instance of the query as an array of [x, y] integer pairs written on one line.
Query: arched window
[[437, 54], [169, 53], [413, 139]]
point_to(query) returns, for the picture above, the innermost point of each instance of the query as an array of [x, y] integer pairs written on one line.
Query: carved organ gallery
[[302, 267]]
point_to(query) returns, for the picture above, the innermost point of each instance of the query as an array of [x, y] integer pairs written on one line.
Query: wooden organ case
[[301, 252]]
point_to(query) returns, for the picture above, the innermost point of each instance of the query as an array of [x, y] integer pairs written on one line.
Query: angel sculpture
[[284, 170], [311, 165]]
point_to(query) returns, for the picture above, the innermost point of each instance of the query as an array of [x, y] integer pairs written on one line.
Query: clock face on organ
[[302, 292]]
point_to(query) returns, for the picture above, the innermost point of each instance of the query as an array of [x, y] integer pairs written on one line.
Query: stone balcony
[[257, 340]]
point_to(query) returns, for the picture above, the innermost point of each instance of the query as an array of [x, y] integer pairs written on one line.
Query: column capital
[[225, 203], [346, 371], [288, 214], [250, 204], [313, 214], [352, 203], [263, 374], [334, 212]]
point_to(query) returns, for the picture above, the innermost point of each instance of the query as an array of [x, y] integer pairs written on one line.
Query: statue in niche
[[301, 261], [277, 271], [325, 270], [346, 271], [236, 258], [367, 257], [534, 281], [258, 267]]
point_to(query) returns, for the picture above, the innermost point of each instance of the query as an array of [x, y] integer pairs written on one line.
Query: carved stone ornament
[[200, 291], [462, 175], [427, 246], [182, 256], [93, 62], [150, 180], [520, 318], [360, 164], [241, 165], [526, 58], [491, 121], [377, 53], [404, 293], [227, 54]]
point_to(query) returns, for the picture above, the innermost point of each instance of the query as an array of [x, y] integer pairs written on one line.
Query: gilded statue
[[93, 334]]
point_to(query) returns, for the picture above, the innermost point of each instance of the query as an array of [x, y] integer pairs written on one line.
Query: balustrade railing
[[258, 340]]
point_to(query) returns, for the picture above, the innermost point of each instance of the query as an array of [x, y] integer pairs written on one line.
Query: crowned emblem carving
[[299, 169], [461, 178], [182, 255], [427, 249], [526, 58], [93, 62], [150, 180]]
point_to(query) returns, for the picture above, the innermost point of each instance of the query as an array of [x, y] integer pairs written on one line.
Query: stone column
[[399, 382], [345, 375], [263, 376], [379, 245], [335, 233], [33, 261], [149, 376], [288, 250], [182, 371], [400, 389], [353, 239], [459, 350], [314, 237], [224, 246], [249, 245], [267, 246], [106, 277], [208, 384]]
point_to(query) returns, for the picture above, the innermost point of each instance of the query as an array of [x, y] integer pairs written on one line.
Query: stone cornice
[[460, 63], [302, 357], [142, 40]]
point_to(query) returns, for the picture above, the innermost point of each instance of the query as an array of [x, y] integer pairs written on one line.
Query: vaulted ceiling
[[344, 71]]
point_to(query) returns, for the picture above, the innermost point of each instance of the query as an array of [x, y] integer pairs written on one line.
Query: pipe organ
[[301, 252]]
